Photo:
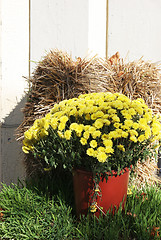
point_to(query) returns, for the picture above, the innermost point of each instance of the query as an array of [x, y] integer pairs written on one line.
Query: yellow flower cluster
[[98, 120]]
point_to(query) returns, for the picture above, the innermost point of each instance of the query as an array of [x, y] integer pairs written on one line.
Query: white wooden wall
[[14, 39], [75, 26], [134, 28]]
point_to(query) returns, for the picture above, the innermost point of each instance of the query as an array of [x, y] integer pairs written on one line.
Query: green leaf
[[46, 160]]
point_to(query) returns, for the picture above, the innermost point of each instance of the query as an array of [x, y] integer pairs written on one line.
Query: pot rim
[[84, 171]]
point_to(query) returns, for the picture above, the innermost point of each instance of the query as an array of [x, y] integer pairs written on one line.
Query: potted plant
[[98, 136]]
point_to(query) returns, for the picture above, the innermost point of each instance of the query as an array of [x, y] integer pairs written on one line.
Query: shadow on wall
[[12, 165]]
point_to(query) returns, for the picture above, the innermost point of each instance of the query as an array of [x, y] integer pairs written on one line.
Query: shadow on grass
[[54, 183]]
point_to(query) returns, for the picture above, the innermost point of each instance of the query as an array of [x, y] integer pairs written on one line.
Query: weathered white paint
[[97, 27], [14, 56], [15, 43], [12, 158], [75, 26], [134, 26], [61, 24]]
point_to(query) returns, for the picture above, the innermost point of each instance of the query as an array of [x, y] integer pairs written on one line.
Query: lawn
[[43, 208]]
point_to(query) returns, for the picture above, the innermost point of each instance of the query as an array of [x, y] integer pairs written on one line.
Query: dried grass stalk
[[145, 173]]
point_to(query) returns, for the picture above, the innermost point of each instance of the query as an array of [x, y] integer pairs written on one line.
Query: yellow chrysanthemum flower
[[102, 157], [128, 123], [100, 149], [42, 133], [106, 116], [88, 117], [54, 109], [86, 127], [148, 116], [93, 116], [133, 138], [141, 138], [104, 136], [36, 134], [108, 143], [117, 104], [67, 134], [106, 122], [73, 112], [113, 134], [115, 118], [123, 98], [99, 114], [112, 111], [90, 152], [98, 123], [133, 133], [132, 111], [83, 141], [141, 100], [124, 134], [156, 127], [28, 134], [73, 126], [86, 134], [96, 134], [61, 126], [142, 123], [91, 129], [121, 147], [126, 104], [93, 208], [43, 123], [81, 111], [135, 125], [64, 119], [48, 116], [60, 134], [88, 110], [116, 125], [126, 114], [109, 149], [58, 114], [110, 97], [78, 132], [119, 131], [54, 123], [93, 143], [147, 132], [26, 149], [139, 109]]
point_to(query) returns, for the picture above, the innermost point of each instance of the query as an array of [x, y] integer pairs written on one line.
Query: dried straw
[[145, 173], [59, 77]]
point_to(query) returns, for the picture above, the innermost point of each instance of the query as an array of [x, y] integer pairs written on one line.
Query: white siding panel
[[135, 27]]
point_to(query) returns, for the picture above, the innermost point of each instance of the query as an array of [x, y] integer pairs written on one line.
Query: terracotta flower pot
[[113, 192]]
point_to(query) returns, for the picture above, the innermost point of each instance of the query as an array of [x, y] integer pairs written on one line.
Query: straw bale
[[145, 173], [59, 77]]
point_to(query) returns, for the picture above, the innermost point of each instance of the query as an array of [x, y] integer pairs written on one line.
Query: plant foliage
[[98, 132]]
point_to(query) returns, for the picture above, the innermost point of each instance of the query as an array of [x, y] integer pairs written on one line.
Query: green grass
[[44, 209]]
